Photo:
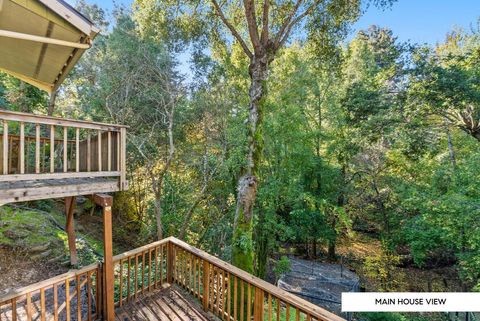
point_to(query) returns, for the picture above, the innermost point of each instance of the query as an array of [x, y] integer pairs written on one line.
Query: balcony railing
[[222, 289], [41, 147]]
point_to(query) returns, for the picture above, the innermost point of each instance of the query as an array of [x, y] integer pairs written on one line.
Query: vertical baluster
[[29, 307], [44, 155], [242, 299], [136, 275], [5, 147], [223, 294], [65, 150], [27, 154], [309, 317], [118, 150], [229, 297], [235, 309], [99, 149], [55, 302], [218, 291], [14, 308], [149, 269], [287, 313], [89, 295], [77, 150], [194, 275], [205, 286], [42, 304], [143, 272], [37, 148], [22, 148], [128, 278], [67, 298], [277, 300], [10, 153], [297, 314], [79, 299], [121, 283], [109, 151], [89, 152], [155, 281], [249, 301], [269, 307], [161, 264], [52, 148]]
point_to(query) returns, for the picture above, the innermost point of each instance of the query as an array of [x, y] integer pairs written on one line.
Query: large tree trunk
[[242, 247]]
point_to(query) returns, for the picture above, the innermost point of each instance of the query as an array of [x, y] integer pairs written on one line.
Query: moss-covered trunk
[[242, 247]]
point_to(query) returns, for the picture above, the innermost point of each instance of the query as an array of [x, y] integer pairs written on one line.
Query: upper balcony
[[49, 157]]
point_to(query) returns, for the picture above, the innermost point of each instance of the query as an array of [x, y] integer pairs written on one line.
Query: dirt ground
[[18, 270]]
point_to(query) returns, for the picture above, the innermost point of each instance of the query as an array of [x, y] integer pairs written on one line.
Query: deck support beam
[[106, 201], [70, 228]]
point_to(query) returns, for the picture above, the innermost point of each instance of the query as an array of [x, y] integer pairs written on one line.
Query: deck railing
[[73, 295], [43, 147], [224, 290]]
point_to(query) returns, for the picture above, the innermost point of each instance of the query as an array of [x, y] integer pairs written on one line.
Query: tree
[[260, 30], [445, 82]]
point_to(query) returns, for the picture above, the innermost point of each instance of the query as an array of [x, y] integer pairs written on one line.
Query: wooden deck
[[168, 304], [167, 280], [44, 157], [29, 190]]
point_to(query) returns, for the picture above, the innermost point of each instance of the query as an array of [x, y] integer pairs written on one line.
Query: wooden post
[[5, 147], [258, 305], [123, 155], [37, 148], [65, 149], [70, 228], [21, 152], [106, 201], [52, 149], [206, 284], [77, 150], [170, 263]]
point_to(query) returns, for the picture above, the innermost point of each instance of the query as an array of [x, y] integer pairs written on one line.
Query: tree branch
[[250, 15], [286, 22], [308, 11], [232, 29], [266, 9]]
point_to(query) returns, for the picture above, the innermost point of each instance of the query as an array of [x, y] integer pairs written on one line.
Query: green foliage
[[382, 316], [282, 266]]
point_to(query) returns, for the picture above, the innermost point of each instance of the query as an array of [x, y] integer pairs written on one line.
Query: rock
[[41, 255], [39, 247], [15, 235]]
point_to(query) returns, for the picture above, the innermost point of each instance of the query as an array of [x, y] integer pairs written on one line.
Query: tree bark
[[51, 103], [242, 247]]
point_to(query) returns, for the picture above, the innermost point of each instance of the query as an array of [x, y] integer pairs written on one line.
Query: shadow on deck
[[168, 304]]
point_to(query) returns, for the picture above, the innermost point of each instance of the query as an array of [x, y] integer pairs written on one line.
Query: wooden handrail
[[18, 293], [57, 121], [57, 156], [289, 298]]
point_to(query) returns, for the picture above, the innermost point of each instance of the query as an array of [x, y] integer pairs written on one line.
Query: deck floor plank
[[167, 304]]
